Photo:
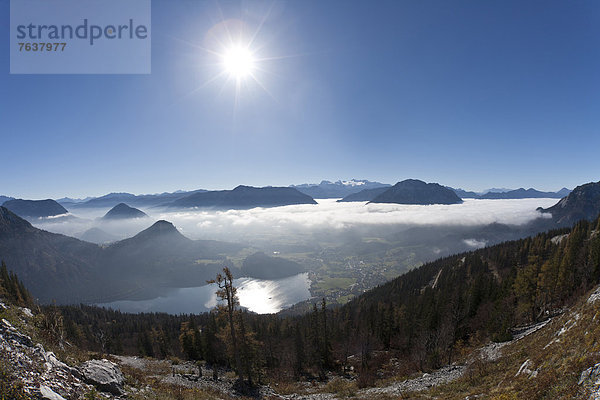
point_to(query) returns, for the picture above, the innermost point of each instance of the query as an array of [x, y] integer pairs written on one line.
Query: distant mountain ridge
[[338, 189], [243, 197], [464, 194], [35, 208], [522, 193], [123, 211], [414, 191], [370, 194], [582, 203], [5, 198], [323, 190], [144, 200]]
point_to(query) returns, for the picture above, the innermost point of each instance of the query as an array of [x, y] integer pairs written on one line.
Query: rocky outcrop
[[43, 375], [590, 379], [105, 375]]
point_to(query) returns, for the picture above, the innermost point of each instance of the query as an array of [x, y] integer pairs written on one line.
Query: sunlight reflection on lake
[[258, 295]]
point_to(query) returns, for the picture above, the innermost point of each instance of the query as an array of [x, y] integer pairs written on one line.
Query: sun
[[238, 62]]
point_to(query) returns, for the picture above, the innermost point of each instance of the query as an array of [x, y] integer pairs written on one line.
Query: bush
[[341, 387]]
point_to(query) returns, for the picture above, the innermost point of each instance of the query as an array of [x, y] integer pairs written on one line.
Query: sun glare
[[238, 62]]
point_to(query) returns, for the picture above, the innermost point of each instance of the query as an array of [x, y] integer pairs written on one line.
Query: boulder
[[103, 374], [49, 394]]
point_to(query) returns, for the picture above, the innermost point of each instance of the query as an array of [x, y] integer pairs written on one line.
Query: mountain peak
[[161, 227], [123, 211], [160, 232], [414, 191]]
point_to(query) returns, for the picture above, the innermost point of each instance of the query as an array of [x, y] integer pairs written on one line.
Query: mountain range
[[370, 194], [338, 189], [68, 270], [144, 200], [243, 197], [522, 193], [326, 189]]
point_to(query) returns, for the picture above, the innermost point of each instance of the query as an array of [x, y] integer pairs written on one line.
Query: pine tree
[[299, 353]]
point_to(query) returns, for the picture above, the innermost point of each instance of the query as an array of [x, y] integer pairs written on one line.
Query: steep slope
[[243, 197], [480, 294], [582, 203], [558, 360], [35, 208], [338, 189], [52, 266], [123, 211], [413, 191], [364, 195]]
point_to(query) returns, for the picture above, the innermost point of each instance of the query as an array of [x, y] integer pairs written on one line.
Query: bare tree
[[227, 293]]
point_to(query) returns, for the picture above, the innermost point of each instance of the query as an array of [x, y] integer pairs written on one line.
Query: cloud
[[235, 225], [331, 215], [476, 244]]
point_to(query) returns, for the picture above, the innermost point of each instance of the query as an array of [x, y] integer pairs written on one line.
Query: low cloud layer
[[235, 225], [331, 215]]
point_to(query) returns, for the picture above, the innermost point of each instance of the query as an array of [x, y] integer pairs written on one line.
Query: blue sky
[[469, 94]]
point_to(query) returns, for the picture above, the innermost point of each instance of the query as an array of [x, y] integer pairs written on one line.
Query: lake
[[258, 295]]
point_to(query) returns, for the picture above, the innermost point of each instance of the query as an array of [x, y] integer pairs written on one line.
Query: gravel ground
[[424, 382]]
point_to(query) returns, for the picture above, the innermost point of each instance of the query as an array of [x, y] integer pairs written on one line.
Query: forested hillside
[[421, 318]]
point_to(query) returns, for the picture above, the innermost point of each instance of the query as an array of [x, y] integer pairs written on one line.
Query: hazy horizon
[[100, 194]]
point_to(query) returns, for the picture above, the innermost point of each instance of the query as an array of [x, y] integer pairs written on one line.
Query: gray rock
[[590, 376], [103, 374], [11, 334], [49, 394]]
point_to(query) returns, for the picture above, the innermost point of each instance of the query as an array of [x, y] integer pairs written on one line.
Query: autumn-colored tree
[[227, 294]]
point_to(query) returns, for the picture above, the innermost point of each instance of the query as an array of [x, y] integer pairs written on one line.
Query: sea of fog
[[257, 295], [289, 225], [235, 225]]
